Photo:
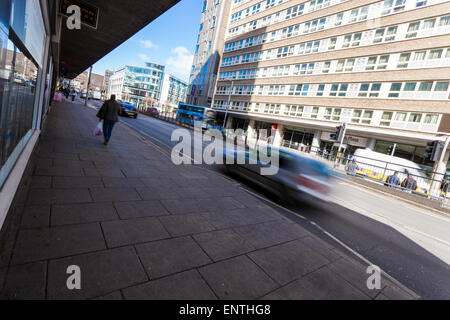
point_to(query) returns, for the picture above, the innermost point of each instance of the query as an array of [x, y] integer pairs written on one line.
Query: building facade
[[305, 67], [141, 86], [208, 51], [173, 92], [106, 78]]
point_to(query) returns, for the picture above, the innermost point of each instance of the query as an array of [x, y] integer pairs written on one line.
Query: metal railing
[[429, 183]]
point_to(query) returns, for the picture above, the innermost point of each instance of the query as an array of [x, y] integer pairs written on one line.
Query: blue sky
[[168, 40]]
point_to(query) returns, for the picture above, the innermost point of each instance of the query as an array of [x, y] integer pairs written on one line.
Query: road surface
[[409, 243]]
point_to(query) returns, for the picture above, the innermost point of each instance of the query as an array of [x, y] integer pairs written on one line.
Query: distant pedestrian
[[409, 184], [393, 181], [444, 188], [351, 167], [109, 113]]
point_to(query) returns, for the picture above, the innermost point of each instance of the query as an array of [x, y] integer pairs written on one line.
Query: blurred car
[[128, 110], [83, 95], [298, 179], [153, 111]]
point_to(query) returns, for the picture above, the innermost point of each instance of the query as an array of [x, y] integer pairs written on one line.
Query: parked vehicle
[[153, 111], [298, 178], [128, 110], [83, 95]]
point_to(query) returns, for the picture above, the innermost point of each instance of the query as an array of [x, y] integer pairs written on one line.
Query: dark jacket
[[109, 111], [393, 181], [409, 183], [445, 186]]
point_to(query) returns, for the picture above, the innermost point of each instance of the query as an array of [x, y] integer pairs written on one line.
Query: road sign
[[89, 13]]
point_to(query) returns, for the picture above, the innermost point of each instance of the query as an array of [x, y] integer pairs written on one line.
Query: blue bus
[[187, 114]]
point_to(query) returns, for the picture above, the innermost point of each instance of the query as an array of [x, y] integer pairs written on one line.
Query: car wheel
[[135, 116]]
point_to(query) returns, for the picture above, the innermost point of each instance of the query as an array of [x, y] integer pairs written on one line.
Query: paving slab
[[125, 232], [116, 295], [223, 244], [237, 279], [140, 209], [114, 194], [41, 182], [77, 182], [182, 225], [288, 262], [26, 282], [65, 214], [46, 243], [111, 182], [36, 217], [188, 285], [223, 219], [101, 273], [323, 284], [162, 258], [271, 233], [57, 196]]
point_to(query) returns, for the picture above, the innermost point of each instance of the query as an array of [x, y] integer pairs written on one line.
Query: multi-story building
[[208, 50], [106, 78], [141, 86], [173, 92], [305, 67], [81, 81]]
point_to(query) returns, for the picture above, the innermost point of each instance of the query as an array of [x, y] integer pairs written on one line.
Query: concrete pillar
[[371, 144], [277, 139], [229, 122], [315, 147]]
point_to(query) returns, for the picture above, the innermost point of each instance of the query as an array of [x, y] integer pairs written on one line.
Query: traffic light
[[390, 149], [338, 134], [432, 150]]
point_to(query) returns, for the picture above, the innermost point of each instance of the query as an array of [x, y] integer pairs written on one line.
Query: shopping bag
[[58, 96], [98, 129]]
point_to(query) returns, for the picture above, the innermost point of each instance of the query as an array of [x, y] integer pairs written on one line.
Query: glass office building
[[141, 86]]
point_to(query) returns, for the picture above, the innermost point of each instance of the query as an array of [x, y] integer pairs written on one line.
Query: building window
[[431, 119], [403, 60], [332, 114], [395, 90], [441, 86], [386, 119]]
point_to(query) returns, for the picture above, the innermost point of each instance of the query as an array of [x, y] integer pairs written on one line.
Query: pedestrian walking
[[444, 188], [351, 167], [109, 113], [393, 181], [409, 184]]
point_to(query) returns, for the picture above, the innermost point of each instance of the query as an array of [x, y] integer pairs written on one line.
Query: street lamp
[[228, 103]]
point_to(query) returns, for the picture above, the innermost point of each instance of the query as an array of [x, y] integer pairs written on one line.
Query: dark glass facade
[[22, 39]]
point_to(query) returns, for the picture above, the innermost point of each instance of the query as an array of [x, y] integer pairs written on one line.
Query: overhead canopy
[[118, 20]]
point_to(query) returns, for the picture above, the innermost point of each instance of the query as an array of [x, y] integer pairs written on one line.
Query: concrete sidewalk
[[140, 227]]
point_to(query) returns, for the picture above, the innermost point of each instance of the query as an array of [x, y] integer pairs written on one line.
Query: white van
[[379, 166]]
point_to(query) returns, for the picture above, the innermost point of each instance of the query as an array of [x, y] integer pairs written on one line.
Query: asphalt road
[[409, 243]]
